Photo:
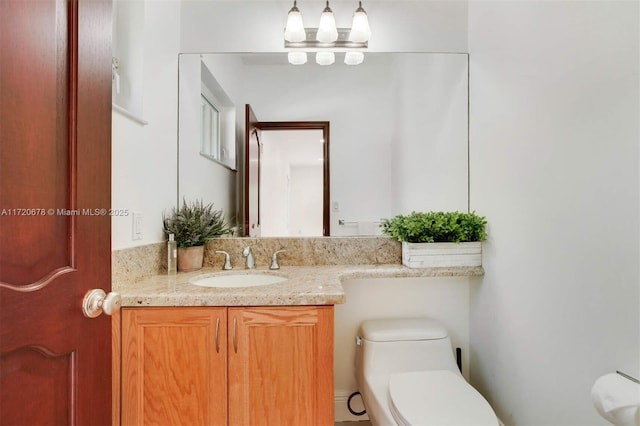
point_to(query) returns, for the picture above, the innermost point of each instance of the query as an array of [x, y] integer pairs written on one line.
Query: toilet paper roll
[[617, 399]]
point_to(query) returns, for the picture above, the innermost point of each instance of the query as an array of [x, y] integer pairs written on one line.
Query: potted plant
[[432, 239], [193, 225]]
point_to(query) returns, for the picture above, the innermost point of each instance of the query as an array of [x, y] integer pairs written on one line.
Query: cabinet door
[[281, 366], [174, 369]]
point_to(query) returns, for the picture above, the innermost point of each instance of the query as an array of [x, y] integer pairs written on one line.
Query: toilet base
[[375, 395]]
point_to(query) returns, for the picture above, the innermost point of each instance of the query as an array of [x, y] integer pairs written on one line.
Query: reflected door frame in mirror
[[251, 181]]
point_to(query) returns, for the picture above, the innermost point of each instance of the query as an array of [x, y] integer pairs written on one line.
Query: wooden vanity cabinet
[[236, 366], [174, 370], [281, 365]]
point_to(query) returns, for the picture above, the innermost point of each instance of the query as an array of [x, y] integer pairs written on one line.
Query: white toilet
[[407, 375]]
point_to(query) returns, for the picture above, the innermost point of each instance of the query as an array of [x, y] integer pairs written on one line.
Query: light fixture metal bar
[[311, 42]]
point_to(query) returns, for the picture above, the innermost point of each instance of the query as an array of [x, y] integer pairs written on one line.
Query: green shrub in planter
[[430, 227], [194, 224]]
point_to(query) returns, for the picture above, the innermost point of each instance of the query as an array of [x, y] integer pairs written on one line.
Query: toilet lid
[[437, 397]]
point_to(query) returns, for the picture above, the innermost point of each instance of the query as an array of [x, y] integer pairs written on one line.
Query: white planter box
[[432, 255]]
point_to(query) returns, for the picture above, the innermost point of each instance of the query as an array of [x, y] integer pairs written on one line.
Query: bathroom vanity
[[263, 354], [250, 355], [244, 365]]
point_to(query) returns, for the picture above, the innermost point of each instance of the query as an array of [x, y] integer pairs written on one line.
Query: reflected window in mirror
[[209, 129], [217, 119]]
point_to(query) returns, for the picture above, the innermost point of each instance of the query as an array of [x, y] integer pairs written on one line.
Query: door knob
[[96, 301]]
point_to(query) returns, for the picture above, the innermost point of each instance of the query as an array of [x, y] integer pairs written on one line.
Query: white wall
[[144, 166], [554, 119]]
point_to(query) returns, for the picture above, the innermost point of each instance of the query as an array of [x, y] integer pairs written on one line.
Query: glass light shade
[[325, 58], [297, 58], [360, 30], [327, 30], [353, 58], [294, 31]]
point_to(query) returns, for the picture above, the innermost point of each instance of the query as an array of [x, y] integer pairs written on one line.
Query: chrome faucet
[[274, 259], [250, 262], [227, 261]]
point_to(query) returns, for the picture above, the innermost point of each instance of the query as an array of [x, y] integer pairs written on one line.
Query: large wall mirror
[[398, 132]]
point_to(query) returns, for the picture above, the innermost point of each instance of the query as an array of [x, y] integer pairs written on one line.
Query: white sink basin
[[237, 279]]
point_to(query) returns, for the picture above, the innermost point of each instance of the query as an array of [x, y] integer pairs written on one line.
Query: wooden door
[[174, 366], [324, 126], [281, 366], [55, 150], [252, 174]]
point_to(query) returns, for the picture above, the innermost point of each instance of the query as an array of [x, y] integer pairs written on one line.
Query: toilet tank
[[387, 346]]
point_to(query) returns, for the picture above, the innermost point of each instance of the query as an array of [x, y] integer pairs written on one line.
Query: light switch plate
[[137, 226]]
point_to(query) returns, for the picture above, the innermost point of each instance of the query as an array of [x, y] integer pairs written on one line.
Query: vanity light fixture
[[325, 58], [326, 40], [327, 30], [353, 58], [360, 29], [294, 31], [297, 58]]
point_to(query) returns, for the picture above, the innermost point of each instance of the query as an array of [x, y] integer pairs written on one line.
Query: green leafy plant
[[430, 227], [194, 224]]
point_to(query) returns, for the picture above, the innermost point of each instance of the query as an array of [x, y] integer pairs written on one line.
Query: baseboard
[[342, 413]]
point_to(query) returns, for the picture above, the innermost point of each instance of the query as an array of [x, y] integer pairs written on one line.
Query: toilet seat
[[437, 397]]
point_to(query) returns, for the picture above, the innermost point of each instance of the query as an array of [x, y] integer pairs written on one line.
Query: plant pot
[[435, 255], [190, 258]]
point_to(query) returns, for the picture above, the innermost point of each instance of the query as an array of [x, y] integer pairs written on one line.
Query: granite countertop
[[314, 285]]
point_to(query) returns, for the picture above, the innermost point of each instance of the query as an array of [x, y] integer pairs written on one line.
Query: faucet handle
[[274, 260], [227, 261], [250, 262]]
